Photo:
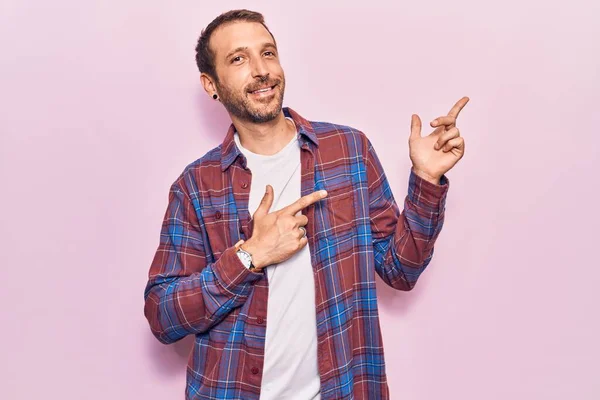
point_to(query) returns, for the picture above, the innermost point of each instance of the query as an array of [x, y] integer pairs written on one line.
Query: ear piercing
[[215, 96]]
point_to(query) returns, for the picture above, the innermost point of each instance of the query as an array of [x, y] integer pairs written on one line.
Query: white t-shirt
[[290, 365]]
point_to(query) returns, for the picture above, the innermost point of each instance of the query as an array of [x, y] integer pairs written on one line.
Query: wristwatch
[[244, 256]]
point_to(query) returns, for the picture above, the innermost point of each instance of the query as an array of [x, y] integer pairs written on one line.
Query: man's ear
[[208, 84]]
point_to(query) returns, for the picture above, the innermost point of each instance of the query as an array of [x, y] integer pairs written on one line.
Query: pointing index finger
[[303, 202], [458, 107]]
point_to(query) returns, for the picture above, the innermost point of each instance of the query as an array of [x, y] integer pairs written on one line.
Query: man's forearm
[[179, 306], [401, 257]]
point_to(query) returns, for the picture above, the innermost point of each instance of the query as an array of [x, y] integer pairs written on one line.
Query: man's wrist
[[250, 247], [426, 176]]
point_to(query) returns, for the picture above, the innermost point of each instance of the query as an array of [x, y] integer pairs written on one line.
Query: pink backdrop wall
[[101, 109]]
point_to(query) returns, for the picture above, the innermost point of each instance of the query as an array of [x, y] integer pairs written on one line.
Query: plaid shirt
[[197, 284]]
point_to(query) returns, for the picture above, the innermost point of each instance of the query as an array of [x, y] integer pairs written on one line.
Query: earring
[[215, 96]]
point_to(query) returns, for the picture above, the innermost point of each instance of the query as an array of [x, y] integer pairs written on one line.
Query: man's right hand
[[276, 236]]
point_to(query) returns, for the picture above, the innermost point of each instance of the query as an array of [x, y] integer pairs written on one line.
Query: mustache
[[262, 83]]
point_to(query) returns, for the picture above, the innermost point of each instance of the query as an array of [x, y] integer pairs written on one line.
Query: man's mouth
[[264, 91]]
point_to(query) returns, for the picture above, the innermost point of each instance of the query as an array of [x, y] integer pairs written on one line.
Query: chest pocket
[[216, 222], [339, 213]]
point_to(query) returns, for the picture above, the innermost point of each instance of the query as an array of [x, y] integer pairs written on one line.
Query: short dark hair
[[205, 58]]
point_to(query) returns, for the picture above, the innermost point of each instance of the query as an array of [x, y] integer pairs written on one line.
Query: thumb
[[265, 203], [415, 127]]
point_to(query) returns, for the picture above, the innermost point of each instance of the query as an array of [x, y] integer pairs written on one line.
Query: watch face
[[245, 257]]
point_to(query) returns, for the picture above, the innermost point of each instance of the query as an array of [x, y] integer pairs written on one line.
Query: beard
[[239, 103]]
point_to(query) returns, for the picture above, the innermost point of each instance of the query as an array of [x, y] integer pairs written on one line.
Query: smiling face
[[251, 82]]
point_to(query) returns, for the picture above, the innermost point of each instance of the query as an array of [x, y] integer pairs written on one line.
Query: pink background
[[101, 109]]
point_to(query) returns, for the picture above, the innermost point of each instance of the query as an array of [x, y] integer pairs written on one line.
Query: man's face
[[250, 81]]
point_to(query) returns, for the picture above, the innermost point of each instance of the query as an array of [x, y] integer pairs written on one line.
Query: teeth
[[262, 90]]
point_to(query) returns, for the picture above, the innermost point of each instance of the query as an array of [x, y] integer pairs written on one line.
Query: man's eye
[[236, 59], [269, 53]]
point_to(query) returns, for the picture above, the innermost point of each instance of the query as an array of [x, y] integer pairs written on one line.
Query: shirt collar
[[230, 151]]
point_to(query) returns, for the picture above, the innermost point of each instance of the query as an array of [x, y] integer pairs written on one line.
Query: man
[[271, 241]]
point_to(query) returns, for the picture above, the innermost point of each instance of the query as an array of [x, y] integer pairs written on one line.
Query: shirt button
[[218, 215], [244, 184], [260, 320], [254, 370]]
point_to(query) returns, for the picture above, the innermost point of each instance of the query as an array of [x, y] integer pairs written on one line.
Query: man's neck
[[266, 138]]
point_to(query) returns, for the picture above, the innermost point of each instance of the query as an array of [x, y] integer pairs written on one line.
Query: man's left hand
[[435, 154]]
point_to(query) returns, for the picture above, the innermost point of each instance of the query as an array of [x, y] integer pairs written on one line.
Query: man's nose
[[259, 68]]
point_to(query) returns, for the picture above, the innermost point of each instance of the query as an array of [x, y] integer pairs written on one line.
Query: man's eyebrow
[[235, 51], [244, 48]]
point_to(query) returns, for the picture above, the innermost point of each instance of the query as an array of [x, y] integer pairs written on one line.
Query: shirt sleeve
[[185, 294], [403, 242]]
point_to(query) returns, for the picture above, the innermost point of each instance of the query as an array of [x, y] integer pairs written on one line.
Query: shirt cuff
[[232, 272], [428, 195]]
